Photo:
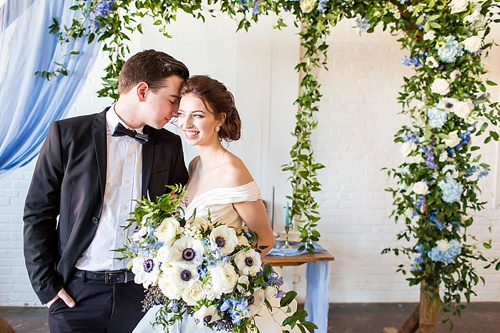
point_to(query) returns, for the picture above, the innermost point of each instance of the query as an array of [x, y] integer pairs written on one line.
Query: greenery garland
[[446, 100]]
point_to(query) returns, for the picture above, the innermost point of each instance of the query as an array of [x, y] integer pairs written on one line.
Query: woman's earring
[[217, 128]]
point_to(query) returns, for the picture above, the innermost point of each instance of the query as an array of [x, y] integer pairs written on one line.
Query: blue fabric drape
[[29, 104]]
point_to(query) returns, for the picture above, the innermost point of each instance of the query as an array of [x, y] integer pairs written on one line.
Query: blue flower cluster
[[322, 6], [438, 224], [411, 137], [449, 49], [363, 24], [437, 118], [237, 308], [447, 256], [431, 159], [103, 7], [255, 5], [415, 61], [465, 140], [451, 189]]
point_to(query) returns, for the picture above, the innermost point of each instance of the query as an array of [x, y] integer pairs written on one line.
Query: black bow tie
[[121, 130]]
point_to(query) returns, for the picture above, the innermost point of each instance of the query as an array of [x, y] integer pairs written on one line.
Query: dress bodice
[[219, 201]]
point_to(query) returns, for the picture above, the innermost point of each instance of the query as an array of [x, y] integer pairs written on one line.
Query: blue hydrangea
[[437, 118], [449, 49], [451, 190], [447, 256]]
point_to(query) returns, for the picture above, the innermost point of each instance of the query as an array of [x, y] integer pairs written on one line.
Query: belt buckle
[[114, 277]]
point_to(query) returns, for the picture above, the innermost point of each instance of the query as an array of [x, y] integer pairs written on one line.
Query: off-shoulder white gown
[[220, 203]]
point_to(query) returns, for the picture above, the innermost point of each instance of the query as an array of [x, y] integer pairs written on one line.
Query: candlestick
[[287, 215]]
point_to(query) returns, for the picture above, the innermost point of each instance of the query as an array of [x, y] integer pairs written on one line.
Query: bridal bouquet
[[202, 268]]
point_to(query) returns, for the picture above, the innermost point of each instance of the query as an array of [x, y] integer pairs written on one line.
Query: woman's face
[[197, 122]]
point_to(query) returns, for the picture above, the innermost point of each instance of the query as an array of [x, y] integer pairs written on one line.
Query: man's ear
[[141, 89]]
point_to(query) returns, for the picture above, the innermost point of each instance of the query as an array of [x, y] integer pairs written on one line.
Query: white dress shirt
[[123, 187]]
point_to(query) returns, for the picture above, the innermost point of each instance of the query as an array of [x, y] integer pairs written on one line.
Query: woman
[[219, 180]]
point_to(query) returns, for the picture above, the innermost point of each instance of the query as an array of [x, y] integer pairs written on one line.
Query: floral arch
[[446, 99]]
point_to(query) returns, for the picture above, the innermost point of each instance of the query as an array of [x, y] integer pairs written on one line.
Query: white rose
[[200, 223], [169, 288], [463, 109], [421, 188], [168, 230], [452, 139], [440, 86], [167, 255], [472, 44], [307, 5], [193, 294], [458, 6], [407, 148], [224, 278], [442, 245]]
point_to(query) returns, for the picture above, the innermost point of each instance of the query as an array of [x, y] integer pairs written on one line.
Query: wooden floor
[[342, 318]]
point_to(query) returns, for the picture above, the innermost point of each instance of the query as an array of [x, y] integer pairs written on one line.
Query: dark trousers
[[100, 307]]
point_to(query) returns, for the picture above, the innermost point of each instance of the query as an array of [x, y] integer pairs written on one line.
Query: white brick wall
[[357, 119]]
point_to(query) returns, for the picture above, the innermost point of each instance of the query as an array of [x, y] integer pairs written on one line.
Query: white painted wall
[[357, 119]]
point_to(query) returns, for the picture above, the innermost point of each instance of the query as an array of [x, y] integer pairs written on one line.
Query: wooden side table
[[318, 311]]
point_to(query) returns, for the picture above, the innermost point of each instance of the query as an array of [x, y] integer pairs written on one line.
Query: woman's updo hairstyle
[[218, 99]]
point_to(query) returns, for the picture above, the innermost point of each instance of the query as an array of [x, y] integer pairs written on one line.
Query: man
[[89, 172]]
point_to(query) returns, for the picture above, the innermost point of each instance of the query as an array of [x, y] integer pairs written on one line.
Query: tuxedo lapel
[[100, 146], [148, 154]]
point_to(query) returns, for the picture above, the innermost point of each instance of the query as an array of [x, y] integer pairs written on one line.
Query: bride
[[219, 182]]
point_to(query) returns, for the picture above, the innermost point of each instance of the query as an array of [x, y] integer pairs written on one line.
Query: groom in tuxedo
[[90, 171]]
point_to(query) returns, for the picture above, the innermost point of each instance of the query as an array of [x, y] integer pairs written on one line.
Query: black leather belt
[[122, 276]]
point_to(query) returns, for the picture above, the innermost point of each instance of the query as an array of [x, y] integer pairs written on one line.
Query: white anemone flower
[[146, 270], [248, 262], [224, 238], [184, 276], [190, 249], [256, 302], [206, 315]]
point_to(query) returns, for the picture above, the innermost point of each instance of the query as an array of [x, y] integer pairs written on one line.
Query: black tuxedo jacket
[[65, 199]]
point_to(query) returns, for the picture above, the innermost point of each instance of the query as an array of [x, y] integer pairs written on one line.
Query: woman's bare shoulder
[[234, 172]]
